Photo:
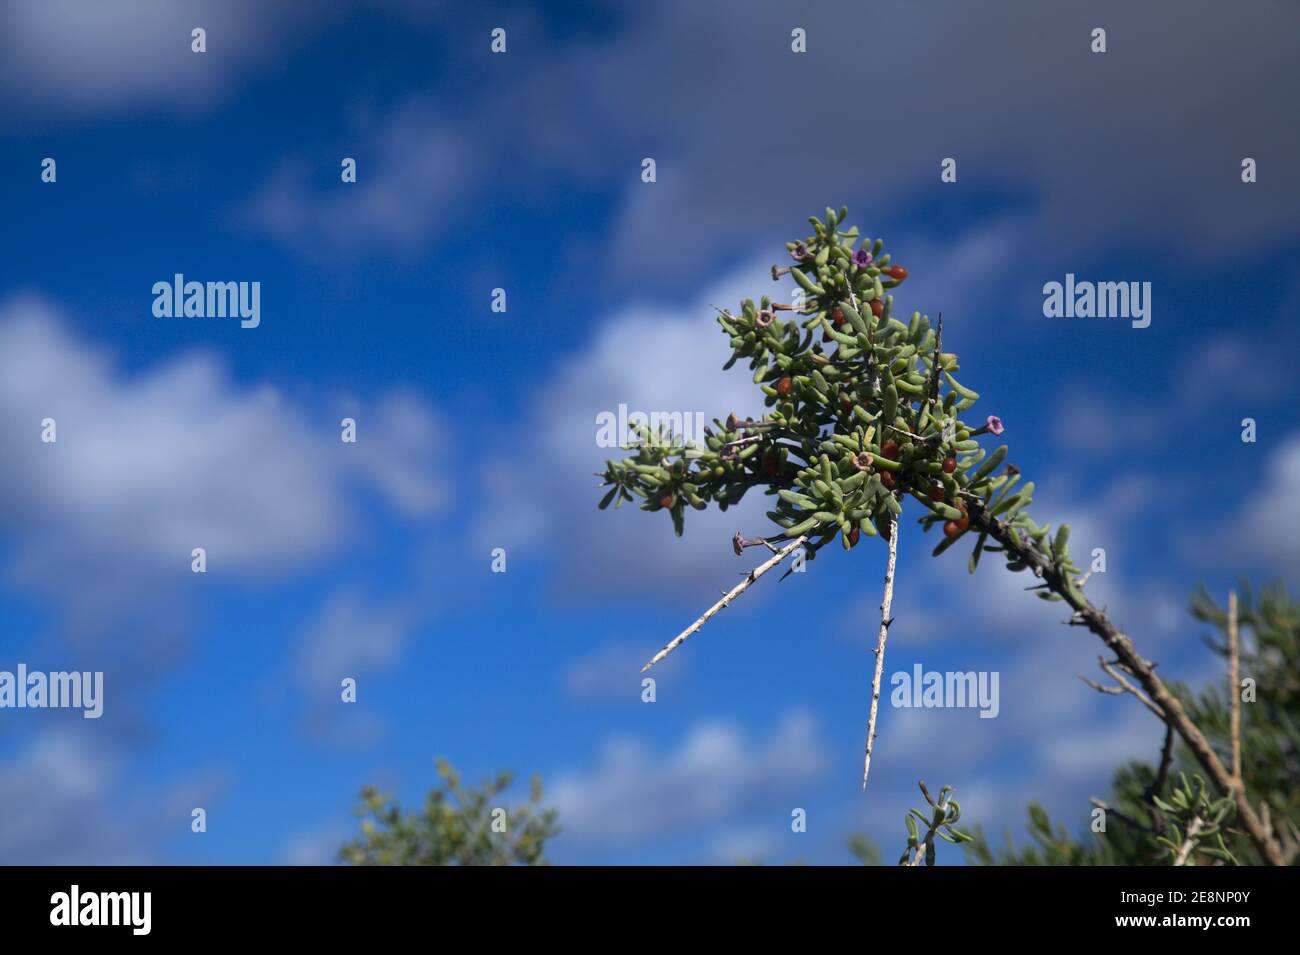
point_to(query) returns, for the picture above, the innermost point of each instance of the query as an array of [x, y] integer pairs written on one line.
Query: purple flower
[[799, 252], [862, 258], [991, 425]]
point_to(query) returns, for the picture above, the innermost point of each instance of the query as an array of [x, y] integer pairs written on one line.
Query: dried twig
[[885, 621], [728, 597], [1157, 787], [1234, 685], [1123, 685]]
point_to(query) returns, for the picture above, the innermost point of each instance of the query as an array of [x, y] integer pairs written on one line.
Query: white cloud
[[1266, 527], [633, 794], [422, 170], [70, 57], [349, 637], [67, 798], [152, 464]]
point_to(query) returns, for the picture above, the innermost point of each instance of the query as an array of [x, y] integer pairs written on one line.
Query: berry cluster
[[864, 412]]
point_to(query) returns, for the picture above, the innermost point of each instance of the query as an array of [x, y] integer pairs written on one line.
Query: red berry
[[936, 491], [853, 537], [666, 500], [964, 523], [837, 316], [898, 272], [949, 464], [951, 529], [890, 449], [784, 387], [887, 479], [877, 307]]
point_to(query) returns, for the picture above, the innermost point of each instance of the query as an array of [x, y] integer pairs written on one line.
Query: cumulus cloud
[[73, 58], [148, 466], [634, 794], [1016, 129], [1265, 529], [348, 637], [67, 799], [421, 171]]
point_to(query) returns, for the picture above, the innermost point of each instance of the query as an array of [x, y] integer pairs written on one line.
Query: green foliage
[[455, 827], [1194, 821], [864, 413], [1147, 820], [943, 815]]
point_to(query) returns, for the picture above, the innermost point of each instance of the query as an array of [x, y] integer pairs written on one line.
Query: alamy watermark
[[57, 690], [1071, 299], [950, 690], [181, 299], [133, 910], [673, 429]]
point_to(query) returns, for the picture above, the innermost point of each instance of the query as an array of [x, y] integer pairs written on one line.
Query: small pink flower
[[992, 425]]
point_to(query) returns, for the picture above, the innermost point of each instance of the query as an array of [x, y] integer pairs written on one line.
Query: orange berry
[[784, 387], [666, 500], [898, 272], [951, 529]]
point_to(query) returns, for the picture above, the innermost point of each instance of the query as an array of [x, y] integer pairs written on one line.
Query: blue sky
[[477, 430]]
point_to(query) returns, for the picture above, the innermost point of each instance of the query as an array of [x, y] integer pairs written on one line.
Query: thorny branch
[[1157, 695], [885, 621], [728, 597]]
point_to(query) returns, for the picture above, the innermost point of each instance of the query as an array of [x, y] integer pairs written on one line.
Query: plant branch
[[923, 848], [728, 597], [1234, 685], [885, 621], [1185, 850], [1157, 787], [1123, 686], [1122, 817], [1142, 670]]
